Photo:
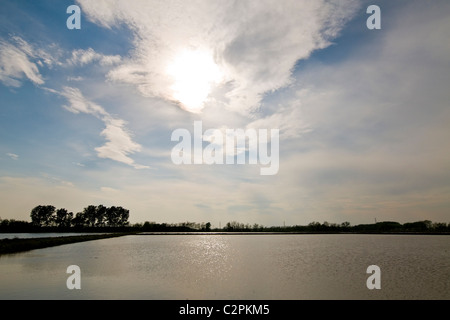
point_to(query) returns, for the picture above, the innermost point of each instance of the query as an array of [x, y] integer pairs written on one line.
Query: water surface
[[288, 267]]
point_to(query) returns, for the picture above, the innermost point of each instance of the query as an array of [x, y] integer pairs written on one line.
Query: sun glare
[[193, 73]]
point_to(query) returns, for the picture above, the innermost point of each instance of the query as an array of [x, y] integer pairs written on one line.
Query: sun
[[193, 73]]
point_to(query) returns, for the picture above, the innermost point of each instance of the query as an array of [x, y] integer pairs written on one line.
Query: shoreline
[[212, 233], [17, 245]]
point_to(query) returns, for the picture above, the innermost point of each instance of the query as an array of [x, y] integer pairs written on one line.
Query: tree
[[314, 226], [117, 216], [122, 216], [79, 220], [234, 226], [345, 224], [100, 216], [439, 226], [63, 218], [90, 215], [42, 216], [208, 226], [111, 216]]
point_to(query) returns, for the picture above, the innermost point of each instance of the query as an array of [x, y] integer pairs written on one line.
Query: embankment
[[20, 245]]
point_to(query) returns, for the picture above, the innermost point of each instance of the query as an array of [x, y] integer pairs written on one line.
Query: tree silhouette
[[42, 216], [100, 216], [90, 215], [79, 220], [111, 216], [63, 218], [121, 217]]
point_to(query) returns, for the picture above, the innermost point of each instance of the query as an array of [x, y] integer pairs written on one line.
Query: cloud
[[57, 181], [16, 64], [79, 78], [378, 119], [289, 119], [82, 57], [49, 57], [119, 143], [108, 189], [78, 103], [255, 44], [13, 156], [20, 59], [364, 130]]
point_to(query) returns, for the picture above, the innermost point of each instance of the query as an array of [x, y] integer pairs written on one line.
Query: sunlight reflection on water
[[233, 267]]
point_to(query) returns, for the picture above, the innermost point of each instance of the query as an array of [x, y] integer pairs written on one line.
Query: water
[[280, 267]]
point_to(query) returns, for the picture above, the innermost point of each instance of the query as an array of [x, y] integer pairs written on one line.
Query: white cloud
[[78, 103], [79, 78], [368, 132], [119, 143], [254, 43], [15, 64], [378, 145], [288, 119], [108, 190], [82, 57], [13, 156], [43, 57], [19, 60]]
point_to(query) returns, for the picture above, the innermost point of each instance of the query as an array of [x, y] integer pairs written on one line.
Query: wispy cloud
[[13, 156], [363, 125], [119, 143], [255, 45], [108, 190], [82, 57], [78, 78], [16, 64], [378, 143], [21, 60], [56, 180], [288, 119], [78, 103]]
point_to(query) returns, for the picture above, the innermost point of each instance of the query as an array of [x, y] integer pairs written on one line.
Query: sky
[[87, 115]]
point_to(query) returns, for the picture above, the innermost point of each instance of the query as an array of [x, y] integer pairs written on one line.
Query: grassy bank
[[20, 245]]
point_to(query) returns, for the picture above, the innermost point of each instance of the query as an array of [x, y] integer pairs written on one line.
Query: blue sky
[[86, 115]]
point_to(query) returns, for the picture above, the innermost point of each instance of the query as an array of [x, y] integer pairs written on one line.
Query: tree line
[[424, 226], [93, 218], [47, 217]]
